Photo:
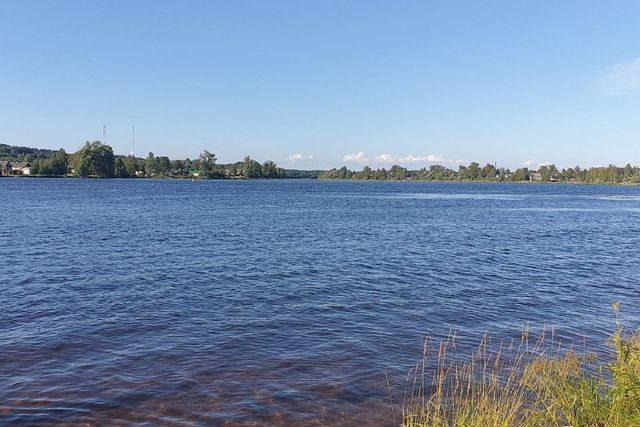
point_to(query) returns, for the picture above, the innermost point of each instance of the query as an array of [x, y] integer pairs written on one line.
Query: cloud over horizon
[[299, 157], [621, 79], [429, 158], [358, 157], [387, 158], [530, 163]]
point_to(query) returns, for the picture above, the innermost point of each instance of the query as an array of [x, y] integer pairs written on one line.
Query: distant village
[[8, 168]]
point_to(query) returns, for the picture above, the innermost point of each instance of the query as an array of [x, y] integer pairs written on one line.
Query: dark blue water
[[285, 302]]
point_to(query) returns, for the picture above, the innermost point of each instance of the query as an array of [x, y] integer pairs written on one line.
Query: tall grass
[[536, 382]]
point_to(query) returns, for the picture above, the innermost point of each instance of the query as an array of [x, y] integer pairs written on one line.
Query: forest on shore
[[98, 160], [473, 172]]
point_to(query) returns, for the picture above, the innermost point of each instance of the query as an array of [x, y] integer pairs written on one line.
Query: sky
[[321, 84]]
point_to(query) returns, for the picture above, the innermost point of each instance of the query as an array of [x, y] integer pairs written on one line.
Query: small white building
[[21, 168]]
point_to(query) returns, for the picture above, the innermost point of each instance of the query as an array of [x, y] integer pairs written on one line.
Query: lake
[[286, 302]]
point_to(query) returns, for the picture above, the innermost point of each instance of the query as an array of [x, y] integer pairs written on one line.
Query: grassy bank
[[533, 382]]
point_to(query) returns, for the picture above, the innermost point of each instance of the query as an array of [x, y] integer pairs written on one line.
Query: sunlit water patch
[[620, 198]]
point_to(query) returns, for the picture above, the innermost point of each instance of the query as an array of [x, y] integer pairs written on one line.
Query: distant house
[[535, 176], [5, 168], [21, 168]]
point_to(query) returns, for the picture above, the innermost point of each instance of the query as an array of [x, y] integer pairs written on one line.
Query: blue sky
[[325, 83]]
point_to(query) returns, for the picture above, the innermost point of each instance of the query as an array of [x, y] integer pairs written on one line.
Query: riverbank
[[535, 382], [241, 178]]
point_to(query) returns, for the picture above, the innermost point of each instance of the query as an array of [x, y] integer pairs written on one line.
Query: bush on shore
[[527, 383]]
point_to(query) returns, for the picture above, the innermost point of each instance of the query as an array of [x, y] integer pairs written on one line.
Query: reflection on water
[[285, 302]]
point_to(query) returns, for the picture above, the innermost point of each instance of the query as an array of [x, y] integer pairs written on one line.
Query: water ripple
[[172, 302]]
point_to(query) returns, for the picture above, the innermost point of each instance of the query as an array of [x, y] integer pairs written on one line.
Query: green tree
[[119, 170], [151, 164], [207, 162], [438, 173], [163, 165], [489, 172], [131, 165], [60, 162], [613, 174], [55, 165], [177, 165], [568, 174], [36, 167], [232, 171], [397, 173], [251, 168], [474, 171], [95, 158], [270, 170], [548, 172]]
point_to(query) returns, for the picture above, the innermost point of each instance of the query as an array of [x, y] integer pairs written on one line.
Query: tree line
[[474, 172], [98, 159]]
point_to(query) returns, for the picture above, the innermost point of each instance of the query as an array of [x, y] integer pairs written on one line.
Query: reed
[[538, 382]]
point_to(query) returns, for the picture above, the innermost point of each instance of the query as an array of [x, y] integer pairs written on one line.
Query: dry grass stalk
[[525, 384]]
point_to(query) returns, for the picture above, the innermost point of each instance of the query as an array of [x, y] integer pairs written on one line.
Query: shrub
[[526, 384]]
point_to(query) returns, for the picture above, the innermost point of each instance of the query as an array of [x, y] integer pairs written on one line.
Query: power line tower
[[133, 140], [104, 134]]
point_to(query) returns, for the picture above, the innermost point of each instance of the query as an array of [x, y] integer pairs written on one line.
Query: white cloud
[[358, 157], [387, 158], [621, 79], [533, 163], [458, 162], [299, 157], [429, 158]]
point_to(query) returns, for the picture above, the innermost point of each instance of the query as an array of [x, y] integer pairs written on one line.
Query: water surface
[[285, 302]]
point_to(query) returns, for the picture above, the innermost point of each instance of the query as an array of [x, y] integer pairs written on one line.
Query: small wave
[[619, 198], [453, 196], [558, 209]]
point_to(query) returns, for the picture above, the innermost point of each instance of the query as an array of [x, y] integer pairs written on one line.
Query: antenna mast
[[104, 134], [133, 140]]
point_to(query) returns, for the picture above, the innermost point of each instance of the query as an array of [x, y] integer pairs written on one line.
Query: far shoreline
[[240, 179]]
